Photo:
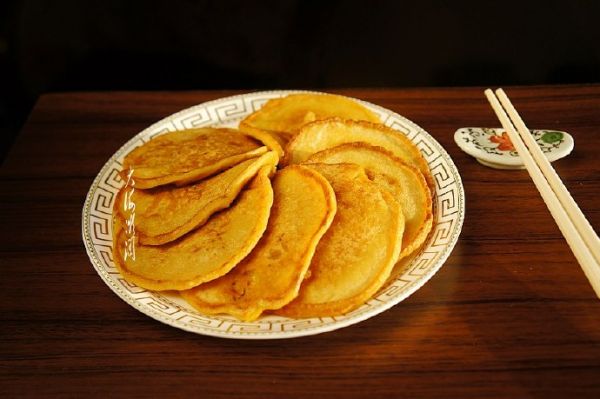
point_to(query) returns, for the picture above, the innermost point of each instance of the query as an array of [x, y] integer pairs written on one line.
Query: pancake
[[202, 255], [355, 256], [273, 141], [188, 155], [321, 135], [163, 214], [284, 116], [406, 184], [270, 276]]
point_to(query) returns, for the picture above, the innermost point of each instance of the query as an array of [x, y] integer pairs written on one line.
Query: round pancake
[[406, 184], [284, 116], [188, 155], [269, 277], [321, 135], [355, 256], [202, 255], [163, 214]]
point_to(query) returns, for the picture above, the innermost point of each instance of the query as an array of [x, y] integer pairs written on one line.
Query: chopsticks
[[575, 228]]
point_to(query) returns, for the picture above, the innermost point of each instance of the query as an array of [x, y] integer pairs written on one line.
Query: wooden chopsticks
[[575, 228]]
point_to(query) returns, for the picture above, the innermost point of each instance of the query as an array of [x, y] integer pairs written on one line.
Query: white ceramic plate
[[449, 209]]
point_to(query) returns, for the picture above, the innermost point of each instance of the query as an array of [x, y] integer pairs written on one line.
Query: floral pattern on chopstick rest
[[492, 147]]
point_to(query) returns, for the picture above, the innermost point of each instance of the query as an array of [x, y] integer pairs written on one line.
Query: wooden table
[[510, 314]]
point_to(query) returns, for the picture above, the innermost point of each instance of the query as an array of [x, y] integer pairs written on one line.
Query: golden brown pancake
[[284, 116], [188, 155], [163, 214], [270, 276], [321, 135], [202, 255], [273, 141], [406, 184], [355, 256]]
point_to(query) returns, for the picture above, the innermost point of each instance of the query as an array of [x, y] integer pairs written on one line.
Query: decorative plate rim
[[314, 325]]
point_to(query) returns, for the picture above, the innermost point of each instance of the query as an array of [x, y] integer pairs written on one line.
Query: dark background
[[188, 45]]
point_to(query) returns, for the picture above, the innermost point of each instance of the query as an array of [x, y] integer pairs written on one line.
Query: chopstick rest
[[492, 147]]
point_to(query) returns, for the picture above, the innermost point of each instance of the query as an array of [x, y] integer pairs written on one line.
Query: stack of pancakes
[[302, 212]]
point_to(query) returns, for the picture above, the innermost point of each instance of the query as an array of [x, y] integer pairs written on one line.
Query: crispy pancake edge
[[181, 179], [268, 302], [271, 139], [274, 103], [268, 159], [157, 285], [422, 165], [335, 308], [425, 228]]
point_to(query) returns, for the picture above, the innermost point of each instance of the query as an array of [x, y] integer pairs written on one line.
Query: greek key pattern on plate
[[449, 205]]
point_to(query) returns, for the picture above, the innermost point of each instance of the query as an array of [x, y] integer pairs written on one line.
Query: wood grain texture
[[510, 314]]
